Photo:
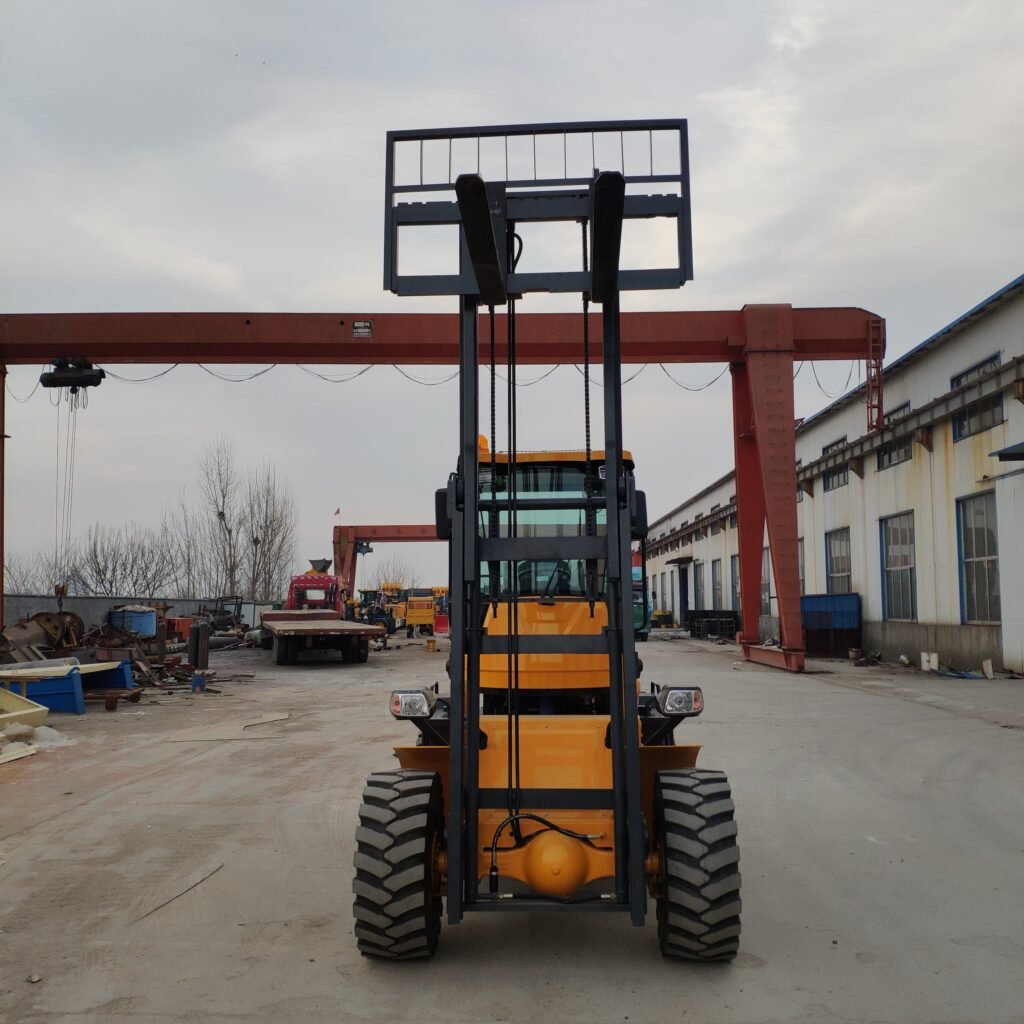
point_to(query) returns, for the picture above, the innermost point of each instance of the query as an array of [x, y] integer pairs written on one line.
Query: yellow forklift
[[547, 779]]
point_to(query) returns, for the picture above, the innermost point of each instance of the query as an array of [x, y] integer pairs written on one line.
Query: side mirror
[[638, 516], [442, 520]]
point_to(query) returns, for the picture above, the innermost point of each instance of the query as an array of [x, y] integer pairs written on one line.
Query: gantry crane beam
[[759, 342], [349, 542], [408, 338]]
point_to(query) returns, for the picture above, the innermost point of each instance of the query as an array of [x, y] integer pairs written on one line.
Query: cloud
[[231, 155]]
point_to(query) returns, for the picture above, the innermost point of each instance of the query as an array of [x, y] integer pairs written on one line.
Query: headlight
[[681, 702], [413, 703]]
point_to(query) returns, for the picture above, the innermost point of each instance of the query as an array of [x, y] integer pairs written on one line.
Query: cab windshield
[[561, 578]]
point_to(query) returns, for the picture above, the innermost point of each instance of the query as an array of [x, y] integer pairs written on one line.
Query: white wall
[[929, 485]]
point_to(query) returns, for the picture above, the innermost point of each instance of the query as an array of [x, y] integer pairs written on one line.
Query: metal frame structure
[[351, 541], [548, 191], [760, 343], [487, 276], [721, 336]]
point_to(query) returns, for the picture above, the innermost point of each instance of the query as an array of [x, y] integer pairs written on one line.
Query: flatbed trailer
[[312, 631]]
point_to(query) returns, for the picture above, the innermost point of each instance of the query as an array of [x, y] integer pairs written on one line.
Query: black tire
[[362, 650], [398, 892], [294, 646], [699, 895], [281, 646], [383, 623], [642, 637]]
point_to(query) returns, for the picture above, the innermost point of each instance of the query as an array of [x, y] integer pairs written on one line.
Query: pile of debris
[[18, 740], [139, 646]]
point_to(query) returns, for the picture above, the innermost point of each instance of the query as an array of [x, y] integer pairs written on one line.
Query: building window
[[978, 416], [837, 561], [664, 595], [892, 453], [766, 584], [800, 557], [834, 446], [672, 593], [734, 572], [698, 586], [799, 489], [832, 479], [716, 584], [974, 372], [899, 579], [979, 558], [896, 414]]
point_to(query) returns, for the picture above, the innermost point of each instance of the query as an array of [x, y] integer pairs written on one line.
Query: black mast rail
[[488, 208]]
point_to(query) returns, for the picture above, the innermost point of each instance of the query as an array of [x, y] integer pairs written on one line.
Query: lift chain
[[589, 481], [494, 572]]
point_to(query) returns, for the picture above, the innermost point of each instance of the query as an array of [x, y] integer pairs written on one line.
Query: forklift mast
[[488, 182]]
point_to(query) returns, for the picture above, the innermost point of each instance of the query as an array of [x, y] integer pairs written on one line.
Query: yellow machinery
[[419, 614], [546, 780]]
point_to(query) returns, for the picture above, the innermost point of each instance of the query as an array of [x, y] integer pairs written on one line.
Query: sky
[[228, 155]]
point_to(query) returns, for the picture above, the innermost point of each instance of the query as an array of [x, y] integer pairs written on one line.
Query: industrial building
[[922, 520]]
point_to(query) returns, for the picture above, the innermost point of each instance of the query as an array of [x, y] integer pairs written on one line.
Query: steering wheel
[[561, 571]]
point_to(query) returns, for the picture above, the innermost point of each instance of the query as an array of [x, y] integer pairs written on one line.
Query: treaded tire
[[362, 651], [398, 894], [280, 645], [699, 905]]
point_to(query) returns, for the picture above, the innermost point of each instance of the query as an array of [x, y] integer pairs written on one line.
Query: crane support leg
[[765, 437]]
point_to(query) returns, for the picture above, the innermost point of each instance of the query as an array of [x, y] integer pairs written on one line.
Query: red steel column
[[769, 361], [3, 474], [749, 505], [345, 557]]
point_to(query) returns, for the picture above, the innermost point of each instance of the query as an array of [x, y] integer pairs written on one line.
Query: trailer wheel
[[281, 646], [698, 897], [294, 646], [362, 650], [397, 887]]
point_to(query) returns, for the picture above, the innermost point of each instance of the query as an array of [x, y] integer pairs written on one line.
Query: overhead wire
[[530, 383], [22, 401], [427, 383], [141, 380], [335, 380], [845, 387], [694, 387], [236, 380], [598, 383]]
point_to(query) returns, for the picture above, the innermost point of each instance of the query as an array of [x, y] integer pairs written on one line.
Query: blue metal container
[[135, 619]]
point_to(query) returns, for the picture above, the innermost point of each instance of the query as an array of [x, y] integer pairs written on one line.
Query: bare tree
[[34, 573], [220, 488], [191, 563], [237, 538], [394, 570], [122, 561], [268, 517]]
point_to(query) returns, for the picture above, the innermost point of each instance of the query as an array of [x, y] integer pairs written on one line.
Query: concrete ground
[[881, 819]]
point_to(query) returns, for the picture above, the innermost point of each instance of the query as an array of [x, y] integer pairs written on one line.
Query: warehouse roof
[[983, 308]]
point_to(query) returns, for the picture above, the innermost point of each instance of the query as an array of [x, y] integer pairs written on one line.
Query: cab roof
[[576, 457]]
